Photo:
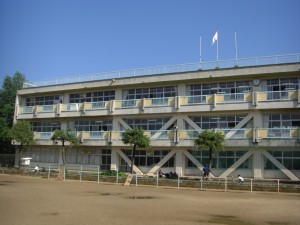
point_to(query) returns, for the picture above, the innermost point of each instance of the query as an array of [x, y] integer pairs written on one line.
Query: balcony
[[245, 133], [233, 137], [94, 135], [279, 133], [228, 101], [97, 105], [194, 100], [43, 135], [270, 96], [125, 104], [71, 107]]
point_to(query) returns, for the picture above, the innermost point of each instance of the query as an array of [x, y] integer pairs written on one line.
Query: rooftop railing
[[190, 67]]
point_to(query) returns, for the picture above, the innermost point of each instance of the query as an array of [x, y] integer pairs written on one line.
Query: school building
[[254, 102]]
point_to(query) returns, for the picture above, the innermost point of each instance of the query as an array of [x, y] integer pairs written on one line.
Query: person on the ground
[[36, 169], [205, 172], [161, 174], [241, 179]]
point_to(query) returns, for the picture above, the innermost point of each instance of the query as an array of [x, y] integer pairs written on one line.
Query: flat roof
[[179, 68]]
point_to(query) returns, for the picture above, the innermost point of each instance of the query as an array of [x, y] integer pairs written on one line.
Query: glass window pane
[[230, 153], [222, 163], [287, 154], [240, 153], [288, 163], [205, 153], [230, 161], [277, 153], [296, 164], [296, 153]]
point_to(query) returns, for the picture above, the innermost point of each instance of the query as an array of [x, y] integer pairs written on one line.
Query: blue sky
[[57, 38]]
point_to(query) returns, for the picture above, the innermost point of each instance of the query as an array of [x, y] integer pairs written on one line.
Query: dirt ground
[[37, 201]]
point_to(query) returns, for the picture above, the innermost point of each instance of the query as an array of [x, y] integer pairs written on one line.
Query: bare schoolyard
[[37, 201]]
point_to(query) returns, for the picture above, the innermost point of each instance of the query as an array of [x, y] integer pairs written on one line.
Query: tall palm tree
[[137, 139], [65, 136], [212, 141]]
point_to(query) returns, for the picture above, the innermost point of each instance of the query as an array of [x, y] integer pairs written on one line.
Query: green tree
[[7, 105], [22, 133], [212, 141], [65, 136], [137, 139]]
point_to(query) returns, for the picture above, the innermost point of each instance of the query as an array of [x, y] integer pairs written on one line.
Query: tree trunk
[[21, 156], [61, 173], [132, 158], [63, 152]]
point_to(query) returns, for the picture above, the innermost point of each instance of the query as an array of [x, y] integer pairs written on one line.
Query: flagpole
[[235, 44], [200, 49], [218, 46]]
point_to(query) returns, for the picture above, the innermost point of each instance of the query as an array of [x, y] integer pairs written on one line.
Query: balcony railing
[[132, 103], [229, 134], [160, 134], [220, 98], [92, 135], [245, 133], [160, 102], [98, 105], [279, 133], [43, 135], [196, 99], [47, 108], [222, 64], [285, 95], [26, 109], [234, 97]]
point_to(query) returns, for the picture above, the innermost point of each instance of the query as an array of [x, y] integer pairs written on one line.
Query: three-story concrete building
[[254, 102]]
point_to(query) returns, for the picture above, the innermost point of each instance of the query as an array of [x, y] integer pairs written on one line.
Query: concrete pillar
[[258, 164], [118, 94], [64, 126], [257, 119], [180, 122], [114, 164], [115, 123], [182, 90], [65, 99], [179, 162]]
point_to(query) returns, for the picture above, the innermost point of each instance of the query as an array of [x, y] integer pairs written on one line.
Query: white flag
[[215, 38]]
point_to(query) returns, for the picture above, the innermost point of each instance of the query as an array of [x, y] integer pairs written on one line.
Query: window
[[289, 159], [148, 160], [42, 155], [281, 120], [222, 160], [86, 125], [100, 158], [225, 87], [201, 156], [281, 84], [278, 88], [92, 97], [43, 100], [147, 124], [45, 126], [217, 122], [156, 92]]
